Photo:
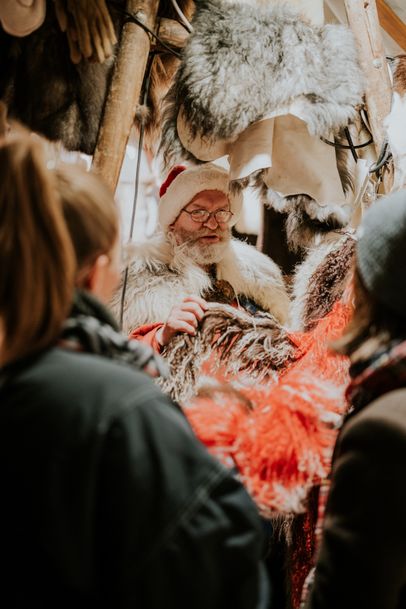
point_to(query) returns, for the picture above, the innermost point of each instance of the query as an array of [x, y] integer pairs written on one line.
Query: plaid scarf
[[385, 371]]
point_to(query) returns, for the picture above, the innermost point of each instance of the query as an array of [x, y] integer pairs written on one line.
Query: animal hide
[[46, 91], [319, 281], [64, 102], [279, 434], [243, 344], [163, 69], [307, 222], [158, 279], [242, 63], [304, 221]]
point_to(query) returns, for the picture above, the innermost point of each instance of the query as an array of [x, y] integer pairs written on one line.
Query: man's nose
[[211, 222]]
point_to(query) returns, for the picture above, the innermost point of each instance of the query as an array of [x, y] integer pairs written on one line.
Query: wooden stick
[[172, 32], [391, 23], [363, 19], [124, 94]]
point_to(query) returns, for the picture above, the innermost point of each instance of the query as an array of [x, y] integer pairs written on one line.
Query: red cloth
[[147, 334]]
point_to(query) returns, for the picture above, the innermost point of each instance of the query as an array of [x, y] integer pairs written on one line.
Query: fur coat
[[158, 279]]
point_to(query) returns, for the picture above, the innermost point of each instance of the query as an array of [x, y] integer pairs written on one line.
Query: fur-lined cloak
[[160, 278]]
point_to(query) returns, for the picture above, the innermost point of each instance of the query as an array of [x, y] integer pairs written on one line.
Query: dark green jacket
[[108, 500]]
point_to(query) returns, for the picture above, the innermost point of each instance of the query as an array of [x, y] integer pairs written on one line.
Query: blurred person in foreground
[[361, 562], [108, 499]]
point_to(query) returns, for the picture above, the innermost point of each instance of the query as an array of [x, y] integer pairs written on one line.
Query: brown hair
[[91, 216], [36, 256], [371, 328]]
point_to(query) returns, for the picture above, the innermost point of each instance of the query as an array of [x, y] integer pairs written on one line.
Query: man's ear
[[97, 274]]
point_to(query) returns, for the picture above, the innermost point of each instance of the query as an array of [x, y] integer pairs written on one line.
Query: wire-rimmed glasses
[[222, 216]]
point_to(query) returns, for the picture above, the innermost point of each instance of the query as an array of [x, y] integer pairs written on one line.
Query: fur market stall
[[298, 100]]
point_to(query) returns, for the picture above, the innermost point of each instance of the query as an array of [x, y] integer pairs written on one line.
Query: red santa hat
[[184, 183]]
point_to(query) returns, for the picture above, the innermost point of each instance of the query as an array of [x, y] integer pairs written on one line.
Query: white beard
[[207, 254], [187, 244]]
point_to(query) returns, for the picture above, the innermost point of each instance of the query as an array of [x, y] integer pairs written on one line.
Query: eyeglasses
[[222, 216]]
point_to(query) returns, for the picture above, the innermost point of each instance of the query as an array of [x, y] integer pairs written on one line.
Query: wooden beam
[[392, 23], [364, 22], [124, 94]]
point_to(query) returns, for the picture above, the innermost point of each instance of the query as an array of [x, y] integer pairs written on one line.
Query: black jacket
[[109, 501], [362, 561]]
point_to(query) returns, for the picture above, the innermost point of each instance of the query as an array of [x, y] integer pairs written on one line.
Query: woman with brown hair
[[362, 558], [107, 498]]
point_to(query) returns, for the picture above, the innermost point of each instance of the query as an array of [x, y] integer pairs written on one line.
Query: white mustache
[[212, 233]]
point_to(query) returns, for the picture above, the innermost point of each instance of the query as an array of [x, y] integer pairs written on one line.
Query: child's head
[[92, 218]]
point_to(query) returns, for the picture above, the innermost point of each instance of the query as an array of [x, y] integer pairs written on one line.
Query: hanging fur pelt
[[47, 92], [64, 101], [306, 221], [280, 433], [244, 344], [320, 280], [163, 70], [280, 437], [242, 62]]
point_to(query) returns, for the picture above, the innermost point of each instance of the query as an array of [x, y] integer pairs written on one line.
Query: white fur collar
[[157, 280]]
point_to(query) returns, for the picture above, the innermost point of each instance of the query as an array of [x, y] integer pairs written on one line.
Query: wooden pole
[[124, 93], [172, 32], [364, 22], [391, 23]]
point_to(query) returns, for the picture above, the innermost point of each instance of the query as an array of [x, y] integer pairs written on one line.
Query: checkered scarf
[[384, 372]]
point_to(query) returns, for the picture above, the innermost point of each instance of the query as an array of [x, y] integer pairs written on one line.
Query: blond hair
[[36, 255], [90, 214]]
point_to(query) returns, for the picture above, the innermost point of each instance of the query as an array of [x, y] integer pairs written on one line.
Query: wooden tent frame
[[391, 23]]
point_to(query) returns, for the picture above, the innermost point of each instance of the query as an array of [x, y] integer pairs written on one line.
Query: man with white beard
[[193, 260]]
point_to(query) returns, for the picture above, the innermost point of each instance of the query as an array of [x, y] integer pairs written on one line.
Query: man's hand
[[182, 318]]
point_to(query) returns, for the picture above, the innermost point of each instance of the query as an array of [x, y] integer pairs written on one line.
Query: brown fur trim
[[327, 283], [255, 345], [163, 69], [399, 76]]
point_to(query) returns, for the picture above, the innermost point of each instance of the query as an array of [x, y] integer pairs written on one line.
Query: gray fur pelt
[[159, 277], [243, 62], [244, 344]]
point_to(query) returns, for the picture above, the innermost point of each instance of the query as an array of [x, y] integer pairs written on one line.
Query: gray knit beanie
[[381, 251]]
